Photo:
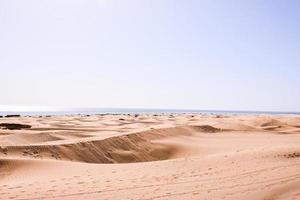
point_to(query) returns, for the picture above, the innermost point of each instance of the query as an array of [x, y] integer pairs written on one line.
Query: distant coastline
[[93, 111]]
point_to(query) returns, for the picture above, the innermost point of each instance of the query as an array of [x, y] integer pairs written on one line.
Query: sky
[[181, 54]]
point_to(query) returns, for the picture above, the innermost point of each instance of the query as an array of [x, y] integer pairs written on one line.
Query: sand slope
[[151, 157]]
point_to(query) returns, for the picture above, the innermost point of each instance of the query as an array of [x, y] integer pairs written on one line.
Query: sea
[[93, 111]]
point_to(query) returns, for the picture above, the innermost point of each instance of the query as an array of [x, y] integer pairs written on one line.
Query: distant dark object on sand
[[1, 116], [12, 126], [13, 116]]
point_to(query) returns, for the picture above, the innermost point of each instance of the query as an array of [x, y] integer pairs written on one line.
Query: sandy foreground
[[181, 156]]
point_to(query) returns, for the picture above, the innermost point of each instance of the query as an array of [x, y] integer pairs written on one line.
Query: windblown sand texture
[[179, 156]]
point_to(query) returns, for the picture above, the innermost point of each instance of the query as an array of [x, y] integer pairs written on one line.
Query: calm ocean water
[[90, 111]]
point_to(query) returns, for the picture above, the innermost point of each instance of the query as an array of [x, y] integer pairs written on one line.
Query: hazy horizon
[[209, 55], [49, 110]]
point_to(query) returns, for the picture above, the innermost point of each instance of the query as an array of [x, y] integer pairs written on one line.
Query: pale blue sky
[[201, 54]]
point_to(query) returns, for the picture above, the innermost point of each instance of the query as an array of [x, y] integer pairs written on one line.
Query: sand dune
[[151, 157], [135, 147], [21, 138]]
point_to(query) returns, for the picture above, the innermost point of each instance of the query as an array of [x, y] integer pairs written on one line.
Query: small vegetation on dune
[[13, 116], [13, 126]]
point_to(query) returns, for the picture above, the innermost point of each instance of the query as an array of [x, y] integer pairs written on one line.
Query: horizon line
[[33, 109]]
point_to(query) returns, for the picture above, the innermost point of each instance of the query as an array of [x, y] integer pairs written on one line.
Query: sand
[[179, 156]]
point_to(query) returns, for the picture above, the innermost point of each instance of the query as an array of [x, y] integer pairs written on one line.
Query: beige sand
[[180, 156]]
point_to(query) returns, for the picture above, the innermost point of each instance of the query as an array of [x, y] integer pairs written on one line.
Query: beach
[[150, 156]]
